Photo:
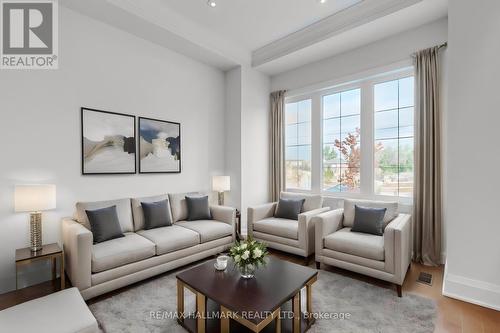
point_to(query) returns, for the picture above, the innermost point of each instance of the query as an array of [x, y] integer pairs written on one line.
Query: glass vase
[[247, 271]]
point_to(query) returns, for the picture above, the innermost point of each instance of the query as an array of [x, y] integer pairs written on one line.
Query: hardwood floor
[[453, 315], [26, 294]]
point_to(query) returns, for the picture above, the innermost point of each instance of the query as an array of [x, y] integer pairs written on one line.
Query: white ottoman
[[61, 312]]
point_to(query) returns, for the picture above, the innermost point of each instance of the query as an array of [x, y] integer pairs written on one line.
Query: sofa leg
[[306, 261], [400, 292], [318, 265]]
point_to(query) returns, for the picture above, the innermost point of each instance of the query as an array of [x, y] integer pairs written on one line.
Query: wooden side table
[[48, 252]]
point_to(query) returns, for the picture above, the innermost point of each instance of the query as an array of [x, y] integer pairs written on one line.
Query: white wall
[[473, 180], [378, 54], [233, 135], [247, 138], [254, 139], [103, 68]]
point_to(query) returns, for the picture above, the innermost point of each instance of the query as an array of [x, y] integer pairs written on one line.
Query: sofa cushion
[[312, 201], [349, 210], [138, 213], [279, 227], [356, 243], [179, 206], [169, 239], [289, 208], [123, 210], [198, 208], [104, 224], [156, 214], [61, 312], [208, 229], [121, 251], [369, 220]]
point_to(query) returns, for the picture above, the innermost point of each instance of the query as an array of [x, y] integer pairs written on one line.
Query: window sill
[[407, 201]]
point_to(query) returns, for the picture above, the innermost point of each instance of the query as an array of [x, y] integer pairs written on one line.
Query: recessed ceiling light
[[322, 1], [212, 3]]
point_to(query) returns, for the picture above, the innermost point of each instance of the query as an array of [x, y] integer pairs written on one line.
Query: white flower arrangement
[[248, 252]]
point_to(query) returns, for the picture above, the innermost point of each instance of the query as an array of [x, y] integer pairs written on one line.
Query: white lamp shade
[[34, 198], [221, 183]]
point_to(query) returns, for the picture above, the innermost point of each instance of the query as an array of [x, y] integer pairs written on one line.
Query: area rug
[[346, 305]]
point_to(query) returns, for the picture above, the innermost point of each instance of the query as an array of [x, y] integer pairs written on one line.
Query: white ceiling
[[402, 20], [270, 35], [255, 23]]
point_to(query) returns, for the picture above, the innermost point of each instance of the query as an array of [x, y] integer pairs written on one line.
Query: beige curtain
[[427, 215], [277, 154]]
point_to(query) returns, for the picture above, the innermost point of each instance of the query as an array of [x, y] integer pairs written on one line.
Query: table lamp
[[221, 184], [35, 199]]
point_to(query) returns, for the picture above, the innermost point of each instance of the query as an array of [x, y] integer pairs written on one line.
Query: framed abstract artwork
[[159, 146], [108, 142]]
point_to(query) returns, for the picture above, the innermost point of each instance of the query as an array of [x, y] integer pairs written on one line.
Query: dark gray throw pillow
[[156, 214], [289, 208], [369, 220], [104, 224], [198, 208]]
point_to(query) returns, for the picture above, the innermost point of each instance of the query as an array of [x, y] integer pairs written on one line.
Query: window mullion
[[367, 139], [316, 143]]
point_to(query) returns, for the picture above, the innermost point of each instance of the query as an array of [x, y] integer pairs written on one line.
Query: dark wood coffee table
[[225, 302]]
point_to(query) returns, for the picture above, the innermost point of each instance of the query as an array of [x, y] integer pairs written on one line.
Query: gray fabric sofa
[[384, 257], [96, 269], [292, 236]]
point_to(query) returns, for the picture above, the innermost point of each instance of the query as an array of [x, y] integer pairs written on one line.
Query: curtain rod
[[445, 44]]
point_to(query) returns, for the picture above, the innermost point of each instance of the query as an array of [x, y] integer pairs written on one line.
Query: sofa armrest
[[77, 245], [326, 224], [257, 213], [397, 246], [306, 229], [223, 214]]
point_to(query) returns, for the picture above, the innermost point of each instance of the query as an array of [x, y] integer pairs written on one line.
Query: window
[[341, 141], [354, 139], [298, 145], [394, 129]]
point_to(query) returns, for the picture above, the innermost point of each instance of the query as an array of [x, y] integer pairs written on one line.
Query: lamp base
[[36, 231], [221, 198]]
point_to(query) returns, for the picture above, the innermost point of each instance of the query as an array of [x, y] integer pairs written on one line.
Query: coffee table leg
[[224, 321], [296, 313], [180, 301], [309, 302], [200, 312], [278, 321]]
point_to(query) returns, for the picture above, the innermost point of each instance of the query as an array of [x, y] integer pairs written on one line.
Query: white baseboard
[[472, 291]]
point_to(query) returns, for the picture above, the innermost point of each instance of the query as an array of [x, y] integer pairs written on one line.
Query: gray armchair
[[384, 257], [292, 236]]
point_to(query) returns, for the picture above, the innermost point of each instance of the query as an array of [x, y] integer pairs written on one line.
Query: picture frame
[[108, 142], [159, 144]]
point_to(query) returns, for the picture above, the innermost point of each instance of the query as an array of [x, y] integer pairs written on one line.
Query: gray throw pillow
[[369, 220], [289, 208], [198, 208], [156, 214], [104, 224]]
